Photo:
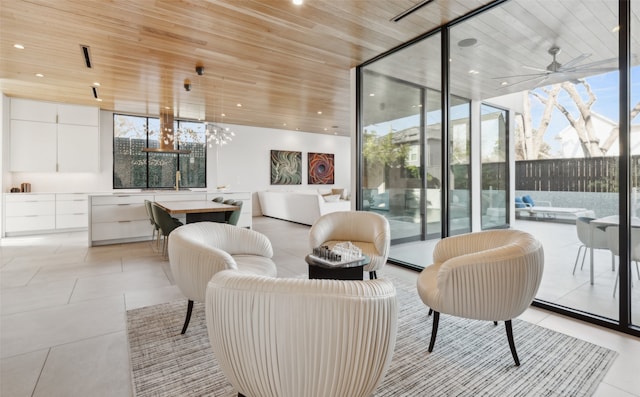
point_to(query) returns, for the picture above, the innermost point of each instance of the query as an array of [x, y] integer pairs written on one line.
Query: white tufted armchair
[[279, 337], [492, 275], [368, 230], [199, 250]]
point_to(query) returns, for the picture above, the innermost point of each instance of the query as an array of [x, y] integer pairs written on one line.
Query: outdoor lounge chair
[[545, 210]]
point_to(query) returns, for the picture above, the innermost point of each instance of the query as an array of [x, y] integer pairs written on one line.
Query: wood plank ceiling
[[287, 65]]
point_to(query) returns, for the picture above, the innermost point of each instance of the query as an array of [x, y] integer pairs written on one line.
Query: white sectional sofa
[[298, 206]]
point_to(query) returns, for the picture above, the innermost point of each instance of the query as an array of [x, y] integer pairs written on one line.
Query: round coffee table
[[345, 271]]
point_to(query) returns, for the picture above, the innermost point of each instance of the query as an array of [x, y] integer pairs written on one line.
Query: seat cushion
[[258, 265]]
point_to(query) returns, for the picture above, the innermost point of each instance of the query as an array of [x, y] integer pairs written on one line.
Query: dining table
[[199, 210], [603, 223]]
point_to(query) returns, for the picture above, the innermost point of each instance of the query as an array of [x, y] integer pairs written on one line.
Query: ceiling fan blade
[[546, 72], [575, 61], [592, 64], [534, 68], [538, 77]]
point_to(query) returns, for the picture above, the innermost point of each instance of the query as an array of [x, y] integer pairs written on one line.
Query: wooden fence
[[595, 174]]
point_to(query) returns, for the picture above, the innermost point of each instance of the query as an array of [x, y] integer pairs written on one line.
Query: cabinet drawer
[[30, 223], [23, 197], [71, 196], [72, 221], [120, 230], [120, 199], [72, 207], [30, 208], [119, 212]]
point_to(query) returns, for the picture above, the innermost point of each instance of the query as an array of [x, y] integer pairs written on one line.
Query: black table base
[[220, 217], [337, 273]]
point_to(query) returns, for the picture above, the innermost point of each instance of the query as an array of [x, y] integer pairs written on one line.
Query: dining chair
[[156, 227], [166, 222], [613, 238], [597, 240], [235, 215], [218, 199]]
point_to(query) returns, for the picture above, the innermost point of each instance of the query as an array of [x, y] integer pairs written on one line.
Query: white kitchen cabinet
[[119, 218], [78, 115], [27, 213], [26, 109], [33, 146], [67, 142], [246, 216], [78, 148], [72, 211]]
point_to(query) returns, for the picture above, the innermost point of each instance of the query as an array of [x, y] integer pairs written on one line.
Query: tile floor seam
[[72, 291], [35, 386]]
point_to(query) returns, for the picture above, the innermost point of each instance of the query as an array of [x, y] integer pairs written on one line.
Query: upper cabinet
[[54, 137]]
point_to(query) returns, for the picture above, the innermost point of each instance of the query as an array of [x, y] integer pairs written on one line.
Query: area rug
[[470, 358]]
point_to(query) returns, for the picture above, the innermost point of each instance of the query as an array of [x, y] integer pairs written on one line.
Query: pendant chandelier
[[215, 132]]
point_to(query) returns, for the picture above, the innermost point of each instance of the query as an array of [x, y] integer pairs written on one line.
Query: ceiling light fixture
[[187, 85], [96, 84], [18, 46], [199, 70], [297, 2], [470, 42], [215, 133], [39, 75]]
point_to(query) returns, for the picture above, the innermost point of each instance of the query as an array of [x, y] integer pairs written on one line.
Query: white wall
[[244, 163]]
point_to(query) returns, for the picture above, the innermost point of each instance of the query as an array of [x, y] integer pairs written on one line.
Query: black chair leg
[[495, 323], [430, 311], [373, 275], [434, 330], [512, 345], [186, 320], [241, 395]]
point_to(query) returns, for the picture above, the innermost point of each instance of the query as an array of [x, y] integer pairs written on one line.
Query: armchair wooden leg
[[188, 318], [434, 330], [512, 345]]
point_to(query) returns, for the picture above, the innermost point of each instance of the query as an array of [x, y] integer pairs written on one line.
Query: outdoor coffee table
[[325, 269]]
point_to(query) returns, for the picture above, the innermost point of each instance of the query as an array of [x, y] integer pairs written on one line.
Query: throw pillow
[[528, 200], [520, 203]]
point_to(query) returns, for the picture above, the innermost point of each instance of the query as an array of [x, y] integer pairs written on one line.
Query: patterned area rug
[[470, 358]]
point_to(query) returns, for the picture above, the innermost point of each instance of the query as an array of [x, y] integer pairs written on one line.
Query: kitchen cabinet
[[29, 213], [246, 216], [33, 146], [119, 218], [67, 142], [72, 211]]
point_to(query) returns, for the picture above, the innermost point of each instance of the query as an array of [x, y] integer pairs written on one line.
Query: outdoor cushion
[[528, 200], [520, 203]]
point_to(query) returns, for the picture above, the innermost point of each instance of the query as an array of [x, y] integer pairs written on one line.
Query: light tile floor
[[63, 304]]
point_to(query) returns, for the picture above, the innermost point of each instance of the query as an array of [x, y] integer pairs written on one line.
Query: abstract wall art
[[321, 169], [286, 167]]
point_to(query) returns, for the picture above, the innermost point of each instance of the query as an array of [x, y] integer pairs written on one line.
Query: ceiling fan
[[555, 67]]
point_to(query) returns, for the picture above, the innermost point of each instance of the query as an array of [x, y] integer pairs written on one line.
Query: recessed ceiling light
[[297, 2], [39, 75], [472, 71], [470, 42], [99, 99], [326, 129], [18, 46], [239, 105], [167, 107], [616, 29], [223, 115], [504, 83], [372, 94], [284, 124], [96, 84], [319, 111]]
